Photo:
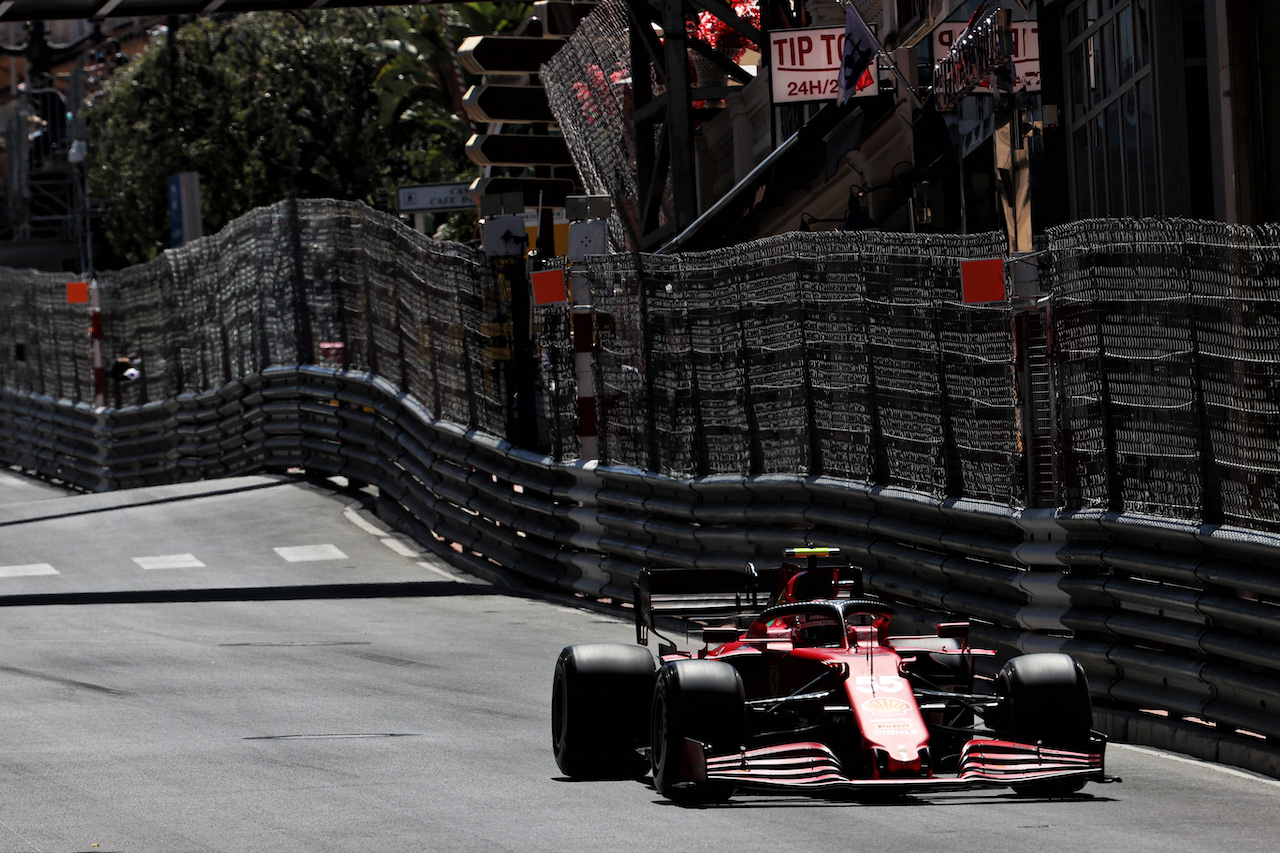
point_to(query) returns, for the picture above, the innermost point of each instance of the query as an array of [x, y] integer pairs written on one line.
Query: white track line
[[441, 572], [169, 561], [399, 547], [25, 840], [27, 571], [310, 553], [404, 550], [351, 515], [1230, 771]]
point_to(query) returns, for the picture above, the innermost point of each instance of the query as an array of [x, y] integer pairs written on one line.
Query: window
[[1111, 115]]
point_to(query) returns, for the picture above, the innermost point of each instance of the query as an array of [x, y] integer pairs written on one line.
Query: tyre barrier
[[1164, 616]]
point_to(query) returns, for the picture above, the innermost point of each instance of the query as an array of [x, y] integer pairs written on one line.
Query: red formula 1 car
[[814, 696]]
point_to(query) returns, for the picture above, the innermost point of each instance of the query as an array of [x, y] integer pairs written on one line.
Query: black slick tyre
[[1046, 702], [599, 710], [699, 700]]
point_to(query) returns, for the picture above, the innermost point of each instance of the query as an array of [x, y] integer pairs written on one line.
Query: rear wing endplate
[[701, 594]]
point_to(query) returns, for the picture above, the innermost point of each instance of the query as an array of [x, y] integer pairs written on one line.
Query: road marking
[[27, 571], [290, 644], [169, 561], [19, 834], [441, 572], [404, 550], [353, 516], [399, 547], [332, 736], [310, 553], [1230, 771]]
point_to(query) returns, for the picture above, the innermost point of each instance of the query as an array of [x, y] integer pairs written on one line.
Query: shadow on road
[[408, 589]]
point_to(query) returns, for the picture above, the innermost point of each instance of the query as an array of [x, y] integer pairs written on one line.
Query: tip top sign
[[806, 65], [996, 52]]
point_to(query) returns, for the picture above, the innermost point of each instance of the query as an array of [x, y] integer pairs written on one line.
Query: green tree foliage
[[420, 84], [263, 106], [420, 77]]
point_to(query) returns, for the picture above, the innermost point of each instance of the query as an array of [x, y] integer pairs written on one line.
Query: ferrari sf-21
[[808, 691]]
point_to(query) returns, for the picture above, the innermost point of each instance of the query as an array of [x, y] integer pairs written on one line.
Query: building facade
[[1116, 108]]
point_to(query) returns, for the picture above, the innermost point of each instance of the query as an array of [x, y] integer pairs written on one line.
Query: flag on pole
[[860, 49]]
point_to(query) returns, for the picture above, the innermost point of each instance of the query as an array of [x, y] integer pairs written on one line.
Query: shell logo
[[883, 707]]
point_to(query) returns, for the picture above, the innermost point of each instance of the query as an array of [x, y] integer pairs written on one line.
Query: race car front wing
[[809, 766]]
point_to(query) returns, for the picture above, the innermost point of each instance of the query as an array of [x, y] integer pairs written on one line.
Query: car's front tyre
[[1046, 701], [701, 701]]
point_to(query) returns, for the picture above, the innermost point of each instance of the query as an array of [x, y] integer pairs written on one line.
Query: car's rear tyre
[[1046, 702], [599, 701], [700, 700]]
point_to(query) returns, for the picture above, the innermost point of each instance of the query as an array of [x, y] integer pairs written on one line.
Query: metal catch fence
[[849, 355], [300, 282], [588, 85], [1166, 347]]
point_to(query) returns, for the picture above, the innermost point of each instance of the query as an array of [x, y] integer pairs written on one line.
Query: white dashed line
[[399, 547], [310, 553], [441, 572], [1208, 765], [353, 516], [169, 561], [27, 571]]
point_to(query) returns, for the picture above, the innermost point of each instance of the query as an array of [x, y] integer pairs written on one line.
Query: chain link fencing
[[842, 354], [300, 282], [589, 89], [838, 354], [47, 345], [1166, 341], [829, 388]]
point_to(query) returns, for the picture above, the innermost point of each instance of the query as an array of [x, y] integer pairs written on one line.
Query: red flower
[[719, 35], [593, 94]]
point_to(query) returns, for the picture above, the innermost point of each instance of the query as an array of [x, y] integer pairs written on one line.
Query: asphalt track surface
[[383, 701]]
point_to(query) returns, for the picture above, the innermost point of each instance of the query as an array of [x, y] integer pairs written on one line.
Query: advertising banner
[[806, 66]]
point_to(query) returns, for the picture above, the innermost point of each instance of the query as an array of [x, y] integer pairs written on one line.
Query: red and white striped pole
[[95, 330], [587, 237], [86, 293]]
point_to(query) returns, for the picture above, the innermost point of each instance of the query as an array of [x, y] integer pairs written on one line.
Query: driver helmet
[[811, 631]]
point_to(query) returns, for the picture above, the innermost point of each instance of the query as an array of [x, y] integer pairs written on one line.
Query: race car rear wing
[[701, 594], [727, 595]]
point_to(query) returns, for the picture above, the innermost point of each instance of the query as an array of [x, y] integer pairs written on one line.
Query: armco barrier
[[1163, 616]]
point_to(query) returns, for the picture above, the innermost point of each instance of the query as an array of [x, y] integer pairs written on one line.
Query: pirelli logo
[[893, 727]]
